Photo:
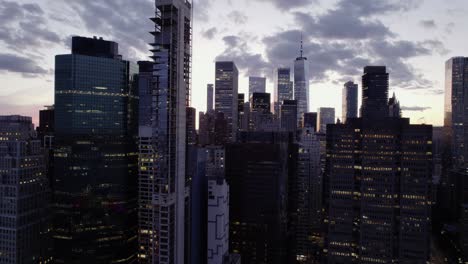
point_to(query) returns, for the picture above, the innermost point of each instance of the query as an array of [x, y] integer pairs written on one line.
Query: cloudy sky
[[413, 38]]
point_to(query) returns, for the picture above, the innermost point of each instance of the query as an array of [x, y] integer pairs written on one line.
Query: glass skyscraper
[[257, 85], [283, 88], [349, 101], [301, 86], [226, 94], [95, 157]]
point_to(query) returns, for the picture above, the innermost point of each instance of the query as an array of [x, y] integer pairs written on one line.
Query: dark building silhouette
[[374, 92], [46, 128], [210, 97], [260, 102], [191, 126], [349, 101], [288, 115], [378, 184], [95, 155], [310, 120], [226, 94], [394, 109], [258, 169]]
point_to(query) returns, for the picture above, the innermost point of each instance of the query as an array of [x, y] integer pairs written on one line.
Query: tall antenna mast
[[302, 46]]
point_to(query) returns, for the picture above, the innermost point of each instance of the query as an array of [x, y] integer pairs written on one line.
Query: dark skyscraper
[[46, 128], [95, 157], [226, 100], [394, 109], [258, 168], [260, 102], [349, 101], [378, 184], [310, 120], [456, 103], [191, 126], [283, 87], [164, 185], [24, 188], [288, 115], [374, 92], [209, 97]]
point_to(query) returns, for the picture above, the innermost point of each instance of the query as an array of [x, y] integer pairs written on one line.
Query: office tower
[[240, 102], [218, 220], [308, 231], [288, 115], [349, 101], [377, 200], [257, 85], [24, 188], [326, 115], [45, 130], [456, 119], [226, 99], [310, 120], [301, 85], [260, 102], [258, 168], [261, 118], [374, 92], [283, 88], [164, 186], [210, 97], [394, 109], [213, 129], [191, 126], [95, 155]]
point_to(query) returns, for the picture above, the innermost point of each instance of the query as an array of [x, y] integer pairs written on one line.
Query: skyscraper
[[301, 85], [24, 188], [394, 109], [164, 185], [226, 99], [191, 126], [209, 97], [95, 155], [283, 88], [456, 117], [257, 85], [374, 92], [377, 200], [260, 102], [349, 101], [326, 115]]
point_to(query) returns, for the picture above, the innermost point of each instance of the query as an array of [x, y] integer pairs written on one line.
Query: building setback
[[95, 155], [164, 185], [349, 101]]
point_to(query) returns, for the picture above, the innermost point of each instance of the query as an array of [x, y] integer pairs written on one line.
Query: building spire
[[302, 46]]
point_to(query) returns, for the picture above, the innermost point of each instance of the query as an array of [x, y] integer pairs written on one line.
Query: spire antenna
[[302, 45]]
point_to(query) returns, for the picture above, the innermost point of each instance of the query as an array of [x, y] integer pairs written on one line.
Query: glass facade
[[349, 101], [95, 159], [283, 87], [301, 86], [226, 94]]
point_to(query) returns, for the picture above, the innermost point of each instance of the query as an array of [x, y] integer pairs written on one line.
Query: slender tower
[[301, 83], [164, 191]]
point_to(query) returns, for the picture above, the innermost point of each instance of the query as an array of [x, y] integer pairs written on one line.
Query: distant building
[[209, 97], [326, 116], [288, 116], [257, 85], [349, 101], [191, 126], [283, 88], [375, 86], [301, 85], [24, 188], [394, 108], [310, 120], [226, 95], [46, 128]]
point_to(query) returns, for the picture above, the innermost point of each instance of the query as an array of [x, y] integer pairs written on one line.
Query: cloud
[[210, 33], [429, 24], [200, 10], [449, 28], [18, 64], [289, 4], [238, 17], [25, 26], [415, 108]]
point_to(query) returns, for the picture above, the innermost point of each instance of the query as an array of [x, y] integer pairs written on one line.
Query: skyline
[[414, 45]]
